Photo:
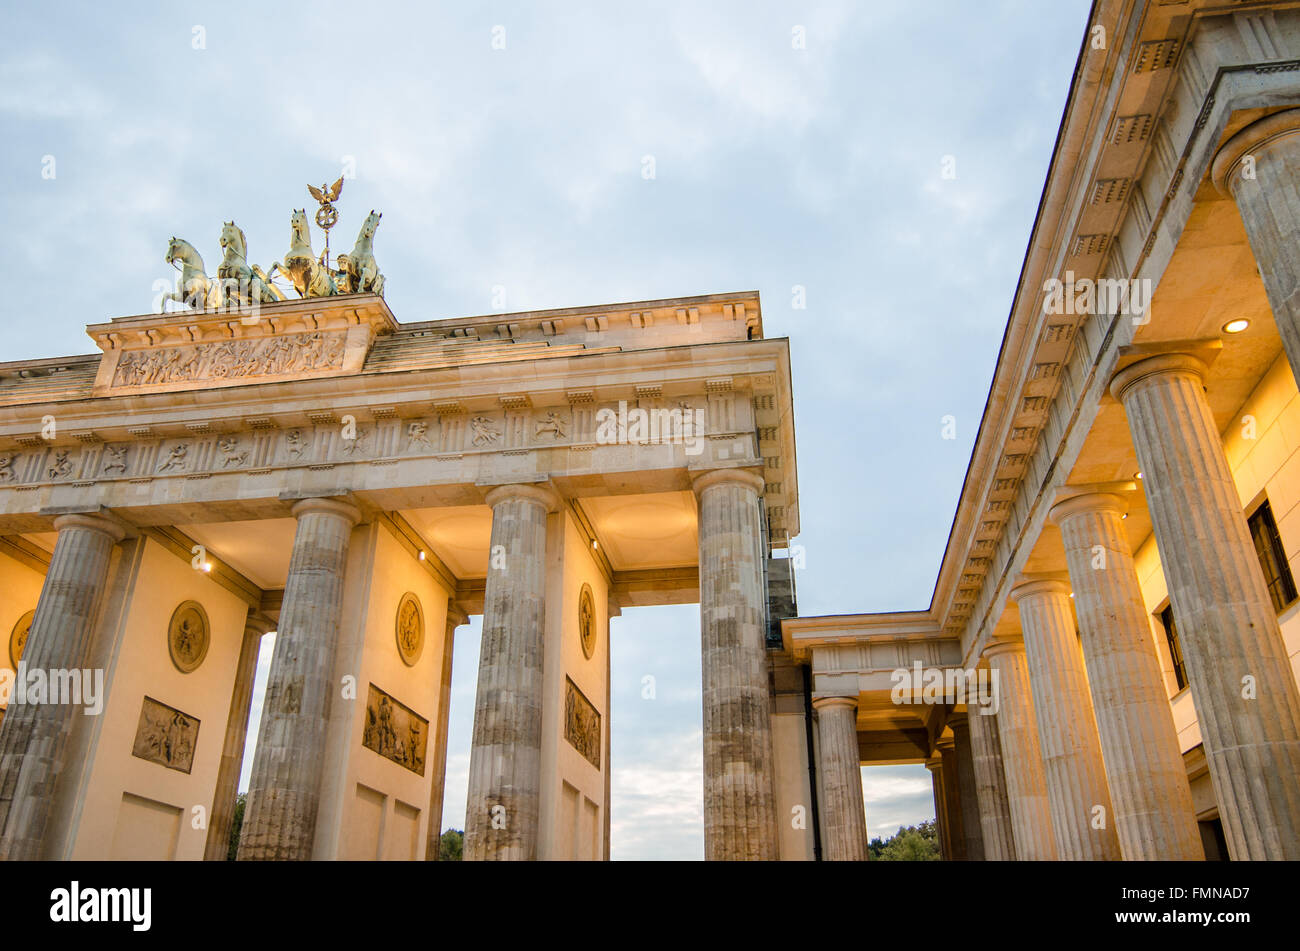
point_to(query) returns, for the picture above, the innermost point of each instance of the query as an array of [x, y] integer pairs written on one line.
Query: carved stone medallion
[[18, 638], [410, 629], [166, 736], [587, 621], [188, 636]]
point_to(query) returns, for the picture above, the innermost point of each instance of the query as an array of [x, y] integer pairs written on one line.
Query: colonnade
[[505, 763]]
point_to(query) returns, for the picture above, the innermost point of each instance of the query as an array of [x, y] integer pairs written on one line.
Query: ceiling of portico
[[45, 540], [259, 549], [635, 532], [460, 535], [645, 531]]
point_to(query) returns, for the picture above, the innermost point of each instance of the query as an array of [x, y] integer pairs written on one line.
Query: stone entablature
[[460, 413]]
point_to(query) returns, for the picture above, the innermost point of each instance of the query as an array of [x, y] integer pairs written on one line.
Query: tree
[[919, 843], [236, 823], [451, 846]]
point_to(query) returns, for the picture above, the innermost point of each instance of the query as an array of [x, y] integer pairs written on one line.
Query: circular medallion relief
[[18, 637], [188, 636], [410, 629], [587, 621]]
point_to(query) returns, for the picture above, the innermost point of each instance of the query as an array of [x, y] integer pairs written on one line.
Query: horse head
[[371, 223], [182, 250], [299, 230], [232, 237]]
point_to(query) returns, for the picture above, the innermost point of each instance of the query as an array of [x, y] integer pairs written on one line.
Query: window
[[1272, 558], [1175, 649]]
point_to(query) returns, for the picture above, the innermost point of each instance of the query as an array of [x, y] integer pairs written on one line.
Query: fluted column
[[284, 791], [1022, 758], [1154, 815], [501, 819], [232, 749], [739, 806], [935, 765], [991, 787], [1259, 167], [972, 838], [952, 805], [1067, 728], [34, 738], [844, 814], [437, 789], [1245, 694]]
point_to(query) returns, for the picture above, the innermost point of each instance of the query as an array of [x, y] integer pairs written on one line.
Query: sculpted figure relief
[[61, 466], [7, 468], [115, 459], [175, 458], [232, 359], [418, 434], [485, 432], [551, 423], [231, 454]]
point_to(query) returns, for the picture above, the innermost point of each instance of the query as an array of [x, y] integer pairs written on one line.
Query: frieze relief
[[395, 731], [166, 736], [261, 445], [232, 359], [581, 723]]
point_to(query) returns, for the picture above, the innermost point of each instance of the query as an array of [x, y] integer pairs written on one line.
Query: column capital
[[528, 491], [838, 701], [1035, 587], [327, 506], [258, 623], [1084, 502], [96, 523], [1146, 371], [714, 477], [945, 744], [1253, 139], [455, 617], [1010, 645]]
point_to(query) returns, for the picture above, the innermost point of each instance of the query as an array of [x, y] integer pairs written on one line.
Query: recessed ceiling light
[[595, 544], [422, 554], [1137, 475], [1236, 326]]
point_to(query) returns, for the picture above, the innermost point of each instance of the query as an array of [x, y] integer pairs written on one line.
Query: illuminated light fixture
[[422, 554], [1071, 594], [1124, 516], [1137, 475], [1236, 326], [207, 566], [595, 544]]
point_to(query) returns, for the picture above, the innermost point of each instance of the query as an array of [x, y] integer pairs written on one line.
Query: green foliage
[[919, 843], [451, 846], [236, 824]]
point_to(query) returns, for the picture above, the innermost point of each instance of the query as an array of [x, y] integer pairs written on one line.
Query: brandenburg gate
[[362, 486]]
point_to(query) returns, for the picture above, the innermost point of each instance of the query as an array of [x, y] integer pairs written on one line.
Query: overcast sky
[[524, 168]]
